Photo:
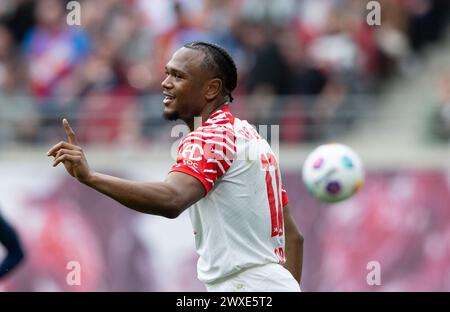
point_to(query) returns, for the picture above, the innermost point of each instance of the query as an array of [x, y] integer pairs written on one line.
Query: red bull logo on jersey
[[193, 151]]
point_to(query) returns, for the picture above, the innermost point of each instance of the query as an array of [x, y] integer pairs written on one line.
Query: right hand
[[71, 155]]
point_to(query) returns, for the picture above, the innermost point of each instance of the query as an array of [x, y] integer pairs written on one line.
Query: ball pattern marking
[[333, 187]]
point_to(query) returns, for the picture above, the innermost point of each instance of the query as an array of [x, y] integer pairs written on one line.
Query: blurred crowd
[[439, 121], [300, 62]]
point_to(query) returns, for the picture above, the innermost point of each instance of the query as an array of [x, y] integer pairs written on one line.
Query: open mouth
[[168, 98]]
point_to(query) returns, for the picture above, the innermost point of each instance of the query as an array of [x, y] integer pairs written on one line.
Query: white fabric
[[267, 278], [239, 223]]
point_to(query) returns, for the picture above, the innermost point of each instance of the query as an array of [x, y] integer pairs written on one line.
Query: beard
[[172, 116]]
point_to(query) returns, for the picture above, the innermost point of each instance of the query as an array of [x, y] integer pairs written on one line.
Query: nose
[[166, 83]]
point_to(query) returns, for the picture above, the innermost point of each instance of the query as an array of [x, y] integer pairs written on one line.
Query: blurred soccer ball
[[333, 172]]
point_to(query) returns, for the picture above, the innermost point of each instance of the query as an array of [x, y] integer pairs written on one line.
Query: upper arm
[[203, 157], [206, 154], [187, 189]]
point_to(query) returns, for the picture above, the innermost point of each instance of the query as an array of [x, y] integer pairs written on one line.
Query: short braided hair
[[220, 62]]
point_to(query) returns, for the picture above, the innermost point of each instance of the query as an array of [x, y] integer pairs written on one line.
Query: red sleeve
[[284, 197], [206, 154]]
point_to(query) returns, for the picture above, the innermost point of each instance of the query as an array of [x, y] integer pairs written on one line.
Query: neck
[[207, 111]]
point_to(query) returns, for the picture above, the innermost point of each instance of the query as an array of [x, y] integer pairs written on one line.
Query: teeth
[[167, 99]]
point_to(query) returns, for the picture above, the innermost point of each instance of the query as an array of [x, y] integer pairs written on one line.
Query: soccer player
[[14, 251], [244, 233]]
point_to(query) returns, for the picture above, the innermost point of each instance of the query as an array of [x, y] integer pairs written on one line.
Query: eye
[[175, 74]]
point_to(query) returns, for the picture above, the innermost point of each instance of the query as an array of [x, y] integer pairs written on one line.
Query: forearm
[[157, 198], [10, 262], [168, 199], [10, 240], [293, 244], [294, 254]]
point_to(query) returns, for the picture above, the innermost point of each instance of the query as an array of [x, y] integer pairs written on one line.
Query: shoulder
[[210, 137], [219, 127]]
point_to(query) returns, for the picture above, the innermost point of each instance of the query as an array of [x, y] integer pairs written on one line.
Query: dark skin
[[190, 90], [14, 252], [293, 245], [194, 90]]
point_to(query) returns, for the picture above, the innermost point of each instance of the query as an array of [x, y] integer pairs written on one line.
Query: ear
[[213, 89]]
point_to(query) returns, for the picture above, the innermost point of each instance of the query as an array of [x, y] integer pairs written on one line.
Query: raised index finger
[[70, 134]]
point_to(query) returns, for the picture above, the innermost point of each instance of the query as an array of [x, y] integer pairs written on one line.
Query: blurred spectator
[[440, 118], [317, 52], [18, 16], [18, 116], [427, 19], [392, 37], [52, 49]]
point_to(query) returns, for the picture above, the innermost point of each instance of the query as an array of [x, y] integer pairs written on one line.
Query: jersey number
[[270, 165]]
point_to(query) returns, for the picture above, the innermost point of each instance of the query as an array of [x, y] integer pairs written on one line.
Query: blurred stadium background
[[314, 67]]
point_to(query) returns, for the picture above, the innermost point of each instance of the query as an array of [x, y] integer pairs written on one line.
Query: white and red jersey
[[239, 222]]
